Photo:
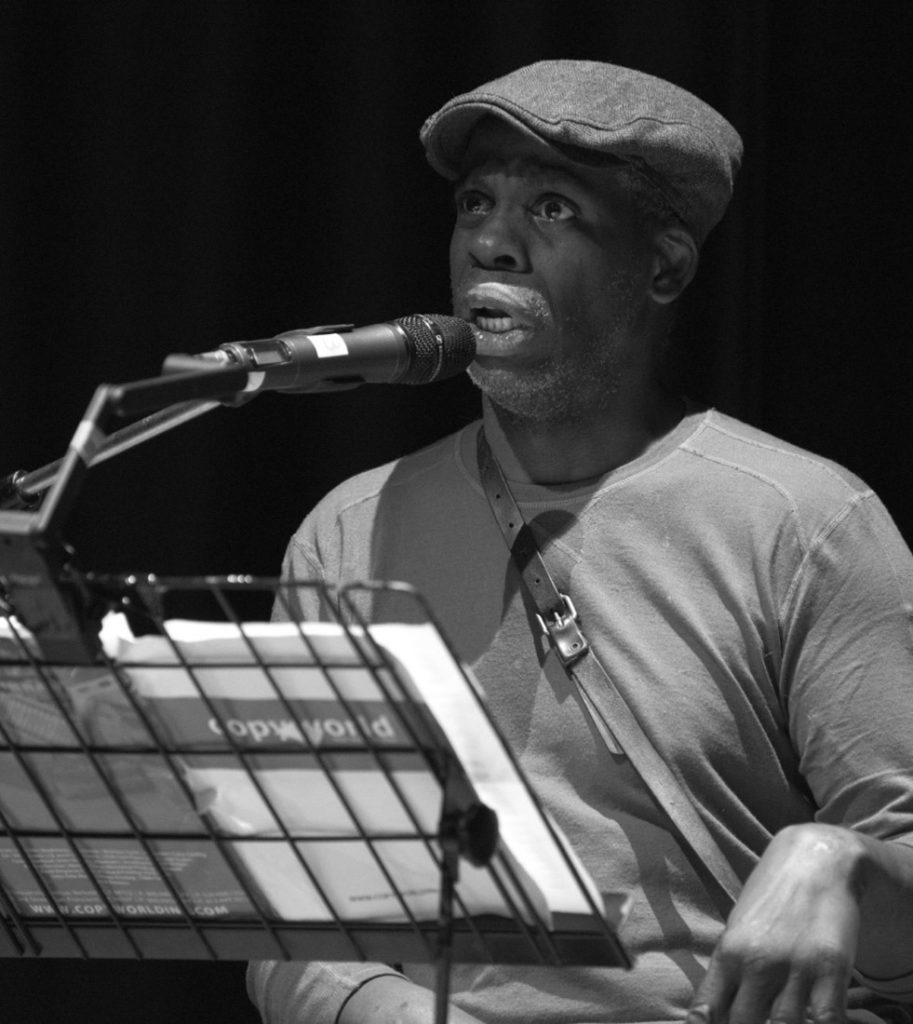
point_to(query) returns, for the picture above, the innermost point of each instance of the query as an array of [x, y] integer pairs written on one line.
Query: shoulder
[[754, 462], [338, 537], [730, 478], [431, 470], [401, 477]]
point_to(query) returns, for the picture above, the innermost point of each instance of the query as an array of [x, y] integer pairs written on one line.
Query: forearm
[[822, 900], [876, 873], [298, 992], [394, 1000]]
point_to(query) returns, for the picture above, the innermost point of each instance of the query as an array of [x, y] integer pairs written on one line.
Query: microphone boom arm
[[415, 349], [191, 395]]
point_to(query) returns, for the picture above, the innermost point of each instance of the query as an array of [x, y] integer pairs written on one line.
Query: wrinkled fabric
[[752, 602]]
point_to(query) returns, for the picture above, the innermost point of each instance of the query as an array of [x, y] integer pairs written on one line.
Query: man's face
[[548, 263]]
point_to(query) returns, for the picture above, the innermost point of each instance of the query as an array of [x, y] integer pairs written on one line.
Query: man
[[751, 601]]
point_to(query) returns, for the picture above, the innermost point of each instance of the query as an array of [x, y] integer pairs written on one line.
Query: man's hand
[[790, 943]]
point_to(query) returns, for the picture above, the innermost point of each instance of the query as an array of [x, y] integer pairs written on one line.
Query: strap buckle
[[563, 632]]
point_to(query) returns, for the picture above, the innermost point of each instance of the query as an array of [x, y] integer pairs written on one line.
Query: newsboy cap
[[679, 143]]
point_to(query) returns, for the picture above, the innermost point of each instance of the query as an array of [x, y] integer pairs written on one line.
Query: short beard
[[569, 386], [556, 391]]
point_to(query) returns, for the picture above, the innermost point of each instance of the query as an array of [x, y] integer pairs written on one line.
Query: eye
[[554, 208], [472, 204]]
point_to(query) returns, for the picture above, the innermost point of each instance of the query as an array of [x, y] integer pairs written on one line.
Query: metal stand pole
[[175, 399]]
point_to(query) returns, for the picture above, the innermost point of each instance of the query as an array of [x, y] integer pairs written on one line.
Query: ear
[[674, 264]]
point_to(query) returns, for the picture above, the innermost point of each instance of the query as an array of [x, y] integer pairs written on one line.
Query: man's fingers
[[711, 1001], [752, 990], [827, 999], [764, 986], [789, 1007]]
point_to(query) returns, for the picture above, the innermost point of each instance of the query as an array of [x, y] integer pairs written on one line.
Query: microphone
[[416, 349]]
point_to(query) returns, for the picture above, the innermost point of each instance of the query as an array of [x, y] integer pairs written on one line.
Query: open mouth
[[493, 319]]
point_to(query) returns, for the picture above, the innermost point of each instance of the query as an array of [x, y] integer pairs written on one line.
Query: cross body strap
[[608, 709]]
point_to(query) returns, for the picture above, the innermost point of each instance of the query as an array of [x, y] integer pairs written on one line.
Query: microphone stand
[[24, 489], [37, 574]]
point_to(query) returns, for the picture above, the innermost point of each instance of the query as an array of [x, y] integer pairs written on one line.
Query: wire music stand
[[113, 843], [150, 811]]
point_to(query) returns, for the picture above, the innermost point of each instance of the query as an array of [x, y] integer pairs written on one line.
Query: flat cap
[[679, 143]]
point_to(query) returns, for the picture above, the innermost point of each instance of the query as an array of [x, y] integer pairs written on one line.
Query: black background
[[175, 176]]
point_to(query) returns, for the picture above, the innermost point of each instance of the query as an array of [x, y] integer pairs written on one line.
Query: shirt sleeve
[[302, 588], [848, 675], [289, 992]]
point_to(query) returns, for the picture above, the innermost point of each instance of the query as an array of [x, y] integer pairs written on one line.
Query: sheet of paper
[[308, 737]]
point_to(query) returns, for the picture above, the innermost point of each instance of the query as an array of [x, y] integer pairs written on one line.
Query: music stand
[[118, 833]]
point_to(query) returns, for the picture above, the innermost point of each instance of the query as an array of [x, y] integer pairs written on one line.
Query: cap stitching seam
[[512, 106]]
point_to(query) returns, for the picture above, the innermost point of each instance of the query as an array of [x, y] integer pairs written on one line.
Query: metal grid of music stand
[[258, 930]]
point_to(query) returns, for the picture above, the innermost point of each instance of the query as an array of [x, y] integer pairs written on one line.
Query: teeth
[[494, 320], [495, 323]]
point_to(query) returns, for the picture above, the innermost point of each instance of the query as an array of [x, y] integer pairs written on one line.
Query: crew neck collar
[[532, 493]]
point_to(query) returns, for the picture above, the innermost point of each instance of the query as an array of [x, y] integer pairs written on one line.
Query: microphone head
[[442, 346]]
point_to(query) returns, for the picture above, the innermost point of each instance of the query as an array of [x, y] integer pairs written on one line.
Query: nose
[[496, 242]]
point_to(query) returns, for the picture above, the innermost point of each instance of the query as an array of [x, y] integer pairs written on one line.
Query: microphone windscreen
[[443, 347]]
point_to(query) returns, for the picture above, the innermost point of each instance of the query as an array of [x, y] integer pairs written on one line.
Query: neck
[[531, 452]]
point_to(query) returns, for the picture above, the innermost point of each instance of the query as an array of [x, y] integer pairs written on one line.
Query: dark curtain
[[175, 176]]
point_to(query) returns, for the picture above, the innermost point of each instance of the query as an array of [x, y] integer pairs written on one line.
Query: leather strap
[[608, 709]]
